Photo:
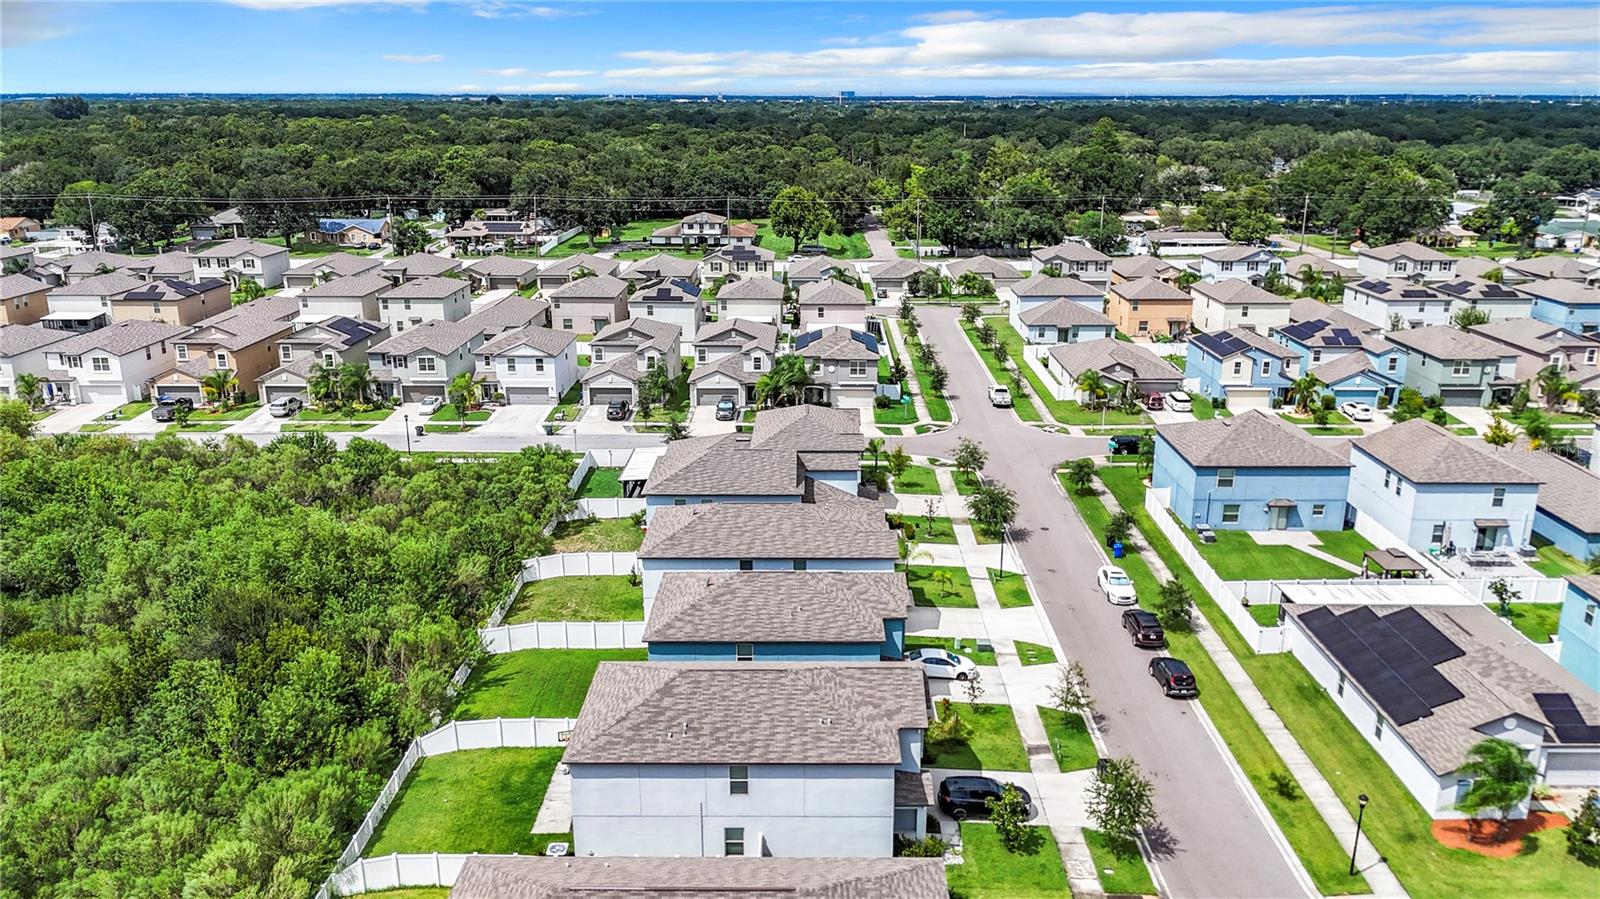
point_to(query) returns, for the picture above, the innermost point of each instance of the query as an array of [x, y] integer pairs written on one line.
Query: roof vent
[[825, 721]]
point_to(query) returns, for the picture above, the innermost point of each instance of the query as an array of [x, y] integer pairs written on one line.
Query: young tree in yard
[[906, 309], [1499, 434], [1303, 392], [786, 384], [249, 289], [1501, 778], [462, 392], [181, 413], [1504, 594], [994, 507], [798, 215], [1071, 692], [1321, 416], [899, 461], [1467, 316], [875, 447], [1583, 837], [1119, 529], [1121, 799], [1147, 452], [1174, 606], [973, 687], [656, 385], [926, 283], [999, 352], [973, 284], [1009, 815], [971, 457], [677, 429], [987, 335], [970, 312], [408, 237], [938, 378], [1093, 387], [219, 385], [1557, 388], [16, 418], [1080, 474]]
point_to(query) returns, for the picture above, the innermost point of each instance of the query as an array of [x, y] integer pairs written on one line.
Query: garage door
[[1459, 397], [278, 393], [102, 394], [1578, 768], [598, 395], [710, 396], [416, 394], [1240, 400], [527, 396]]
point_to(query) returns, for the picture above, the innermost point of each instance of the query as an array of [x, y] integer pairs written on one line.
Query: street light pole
[[1360, 813], [406, 417]]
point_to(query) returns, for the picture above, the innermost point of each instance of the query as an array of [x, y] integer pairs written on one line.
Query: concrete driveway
[[594, 421], [518, 419], [1215, 845], [258, 422], [67, 419], [703, 422]]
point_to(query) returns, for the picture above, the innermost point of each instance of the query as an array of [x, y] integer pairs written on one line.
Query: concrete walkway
[[555, 811], [1312, 783], [1306, 542]]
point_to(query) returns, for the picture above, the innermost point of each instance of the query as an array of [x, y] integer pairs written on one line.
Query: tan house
[[241, 340], [1149, 306], [1132, 268], [588, 305], [18, 227], [22, 300], [173, 301]]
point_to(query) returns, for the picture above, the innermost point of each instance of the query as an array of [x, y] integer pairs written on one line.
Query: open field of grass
[[534, 683], [589, 597]]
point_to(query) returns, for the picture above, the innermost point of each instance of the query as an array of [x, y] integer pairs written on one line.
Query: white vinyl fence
[[614, 507], [369, 875], [554, 241], [1530, 589], [563, 635]]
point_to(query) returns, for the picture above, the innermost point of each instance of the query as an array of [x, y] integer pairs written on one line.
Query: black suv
[[166, 408], [1144, 628], [966, 795], [1123, 445], [1174, 676], [617, 410]]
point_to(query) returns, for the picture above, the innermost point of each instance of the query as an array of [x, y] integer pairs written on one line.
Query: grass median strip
[[988, 871], [999, 374], [1069, 739], [1119, 865], [1010, 589]]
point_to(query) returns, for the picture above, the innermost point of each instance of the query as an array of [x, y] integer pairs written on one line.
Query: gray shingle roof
[[1588, 583], [506, 313], [625, 366], [897, 270], [830, 292], [88, 263], [1070, 251], [1150, 289], [776, 606], [1175, 235], [1479, 289], [539, 339], [1107, 353], [638, 332], [743, 332], [757, 288], [13, 286], [18, 339], [529, 877], [837, 343], [248, 323], [1425, 453], [437, 335], [809, 428], [1306, 309], [1408, 249], [119, 338], [427, 288], [1048, 286], [1567, 490], [419, 265], [360, 285], [1295, 264], [600, 265], [1564, 267], [818, 267], [1447, 343], [846, 529], [100, 286], [344, 265], [984, 265], [504, 267], [172, 264], [1238, 292], [748, 713], [1247, 336], [1570, 293], [1234, 254], [1533, 335], [729, 365], [913, 789], [1135, 267], [725, 465], [1253, 439], [1062, 313], [241, 246], [1337, 369], [663, 265], [598, 287]]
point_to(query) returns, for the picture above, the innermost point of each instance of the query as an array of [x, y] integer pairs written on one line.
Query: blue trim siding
[[1567, 538], [1196, 499], [1580, 640], [1582, 318]]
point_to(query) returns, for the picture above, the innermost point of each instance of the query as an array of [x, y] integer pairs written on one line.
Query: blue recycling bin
[[1116, 550]]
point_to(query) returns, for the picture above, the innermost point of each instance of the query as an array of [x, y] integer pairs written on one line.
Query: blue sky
[[750, 46]]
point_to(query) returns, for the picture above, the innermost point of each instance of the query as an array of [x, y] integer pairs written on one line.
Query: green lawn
[[938, 406], [1555, 562], [840, 246], [597, 535], [918, 480], [929, 530], [344, 415], [1064, 411], [988, 871], [567, 409], [201, 426], [1555, 418], [409, 893], [481, 800], [449, 429], [1334, 418], [1237, 556], [1119, 865], [998, 373], [1537, 620], [588, 597], [1010, 589], [1069, 739], [1347, 545], [234, 414], [965, 646], [966, 484], [447, 413], [927, 591], [897, 414], [1336, 431], [327, 427], [1265, 614], [994, 743], [1200, 407], [535, 683], [677, 404], [601, 483], [131, 411], [1035, 653]]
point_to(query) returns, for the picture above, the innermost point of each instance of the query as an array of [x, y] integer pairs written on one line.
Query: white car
[[943, 664], [1116, 585], [1000, 396], [284, 406], [1356, 411], [1178, 401], [431, 404]]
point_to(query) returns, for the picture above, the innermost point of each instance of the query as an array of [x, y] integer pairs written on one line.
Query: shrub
[[882, 402], [927, 847], [949, 726], [1284, 785]]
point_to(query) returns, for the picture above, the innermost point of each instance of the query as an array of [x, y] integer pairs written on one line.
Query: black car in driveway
[[166, 408], [617, 410], [1174, 677], [966, 796], [1144, 628]]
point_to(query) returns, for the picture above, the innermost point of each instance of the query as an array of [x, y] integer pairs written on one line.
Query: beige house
[[572, 268], [1149, 306], [621, 355], [242, 340], [172, 300], [18, 227], [22, 300], [832, 302], [588, 305]]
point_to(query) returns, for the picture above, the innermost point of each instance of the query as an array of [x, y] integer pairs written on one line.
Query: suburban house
[[588, 305], [331, 267], [1306, 309], [730, 356], [1319, 340], [227, 223], [498, 228], [420, 265], [831, 302], [241, 340], [1539, 345], [1061, 321], [892, 280], [779, 616], [1568, 513], [1549, 268], [1424, 684], [1435, 492], [113, 364], [1362, 377], [843, 363], [661, 267], [1075, 260], [1571, 305], [501, 273], [1404, 261], [1498, 302], [241, 258], [355, 296], [675, 302], [22, 300], [1251, 472], [16, 228], [1250, 264], [1392, 304], [1240, 367], [85, 305], [1461, 368], [1176, 243], [779, 759], [352, 232], [1578, 633], [329, 343], [529, 365], [1132, 268], [422, 360], [816, 269], [1236, 303], [24, 349], [1149, 306], [576, 267], [621, 354], [172, 300], [173, 264], [756, 299], [424, 299], [1119, 363], [996, 271], [23, 258], [738, 263], [1041, 289], [1295, 269], [72, 269], [499, 876], [704, 229]]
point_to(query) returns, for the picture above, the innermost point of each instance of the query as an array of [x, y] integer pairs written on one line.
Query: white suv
[[1000, 396]]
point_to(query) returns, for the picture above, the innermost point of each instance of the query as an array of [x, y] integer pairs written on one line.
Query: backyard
[[1553, 561], [1236, 556], [1536, 620], [535, 683], [597, 597], [601, 483], [597, 535], [993, 744], [478, 800]]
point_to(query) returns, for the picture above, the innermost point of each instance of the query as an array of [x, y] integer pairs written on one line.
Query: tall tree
[[798, 215]]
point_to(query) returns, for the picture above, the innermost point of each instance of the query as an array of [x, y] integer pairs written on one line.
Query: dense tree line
[[963, 173], [213, 654]]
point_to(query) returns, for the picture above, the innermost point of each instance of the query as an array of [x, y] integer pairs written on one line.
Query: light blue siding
[[1412, 511], [1196, 498], [1363, 387], [1583, 318], [766, 652], [1567, 538], [1208, 371], [1580, 639]]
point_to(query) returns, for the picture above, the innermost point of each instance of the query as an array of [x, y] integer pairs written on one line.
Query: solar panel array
[[1418, 293], [1220, 344], [806, 339], [865, 339], [1378, 287], [1392, 662], [503, 227], [1566, 719]]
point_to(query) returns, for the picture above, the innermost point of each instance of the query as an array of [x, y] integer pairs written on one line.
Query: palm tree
[[29, 389], [1305, 391], [787, 382], [1093, 386], [463, 392], [355, 382], [1501, 778], [875, 447], [1557, 388], [322, 383], [219, 384]]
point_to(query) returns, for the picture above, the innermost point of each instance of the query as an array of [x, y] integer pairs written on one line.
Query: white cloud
[[569, 73], [467, 89], [510, 9], [546, 87], [526, 73], [33, 23], [413, 59], [949, 15]]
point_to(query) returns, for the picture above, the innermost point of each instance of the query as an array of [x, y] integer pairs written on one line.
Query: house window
[[858, 369], [1144, 327], [1588, 357], [1134, 305], [799, 564], [1230, 513], [427, 364], [100, 363], [222, 359], [1588, 615], [744, 652], [733, 841], [1225, 477], [1266, 368], [747, 564], [285, 352], [1238, 367], [566, 324], [1244, 311], [1317, 510], [1422, 306], [1377, 729], [820, 311], [597, 354], [1227, 266], [73, 361], [183, 352], [147, 354], [1316, 356], [1460, 368], [538, 365], [1400, 266], [1386, 475], [680, 502], [327, 359], [407, 304], [739, 780], [1499, 497], [1394, 364], [755, 362], [155, 307], [700, 354], [511, 363], [649, 310], [383, 303]]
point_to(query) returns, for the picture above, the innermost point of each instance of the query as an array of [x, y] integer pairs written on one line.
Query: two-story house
[[1132, 268], [588, 305], [1148, 306], [222, 224], [1539, 345], [622, 353], [236, 260], [172, 300], [1240, 367], [501, 273], [241, 340], [1404, 261], [843, 363], [997, 272], [1236, 303], [1041, 289], [737, 263], [1250, 264], [1251, 472], [113, 364], [1075, 260], [1548, 268], [85, 304], [329, 343], [77, 267], [1461, 368], [891, 280], [1569, 304], [1434, 491], [1353, 365], [750, 759], [1567, 515], [660, 267], [331, 267], [730, 356], [576, 267], [422, 360], [1578, 631], [818, 269], [1061, 321], [353, 296], [22, 300], [754, 299], [1392, 304], [24, 350], [420, 300], [674, 302], [704, 229], [1497, 301], [832, 302], [532, 364], [420, 265], [1298, 270]]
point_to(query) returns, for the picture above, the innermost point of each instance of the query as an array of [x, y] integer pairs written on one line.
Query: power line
[[721, 198]]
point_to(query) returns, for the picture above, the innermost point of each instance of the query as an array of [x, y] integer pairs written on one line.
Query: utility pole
[[1305, 214], [94, 229], [916, 243]]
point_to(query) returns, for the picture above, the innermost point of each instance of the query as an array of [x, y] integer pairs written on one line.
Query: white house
[[756, 299], [422, 300], [1406, 261], [1250, 264], [421, 360], [85, 305], [1061, 321], [1041, 289], [891, 280], [355, 296], [738, 262], [330, 267], [704, 229], [530, 365], [1236, 303], [1176, 243], [113, 364], [675, 302], [235, 260], [832, 302], [23, 350], [419, 265], [730, 355], [1386, 301], [1497, 301]]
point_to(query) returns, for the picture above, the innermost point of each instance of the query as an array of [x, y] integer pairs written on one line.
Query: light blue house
[[1579, 630], [1251, 472], [1239, 366], [1354, 364], [779, 616], [1568, 513], [1570, 304]]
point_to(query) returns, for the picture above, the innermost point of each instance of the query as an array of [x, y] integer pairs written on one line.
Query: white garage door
[[1240, 400], [416, 394], [103, 394], [1577, 768], [527, 396], [277, 393], [710, 396]]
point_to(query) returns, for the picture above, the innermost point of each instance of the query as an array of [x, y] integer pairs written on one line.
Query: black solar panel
[[1417, 294], [806, 339], [1376, 286], [1566, 719], [1220, 344], [1427, 640], [1383, 661], [865, 339], [1495, 290], [502, 227], [1341, 337]]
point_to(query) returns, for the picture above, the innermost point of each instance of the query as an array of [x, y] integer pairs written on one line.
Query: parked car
[[432, 404], [617, 410], [1178, 401], [963, 796], [1174, 676], [166, 408], [170, 400], [1153, 402], [1000, 396], [1116, 585], [883, 293], [1144, 628], [726, 410], [284, 406], [1356, 411], [942, 664], [1123, 445]]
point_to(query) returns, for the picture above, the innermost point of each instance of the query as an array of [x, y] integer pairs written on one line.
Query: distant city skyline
[[888, 48]]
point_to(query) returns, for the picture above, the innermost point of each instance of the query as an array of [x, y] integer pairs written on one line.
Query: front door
[[1279, 519], [1487, 537]]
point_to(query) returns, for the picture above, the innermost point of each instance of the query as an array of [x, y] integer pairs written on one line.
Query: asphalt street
[[1211, 843]]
